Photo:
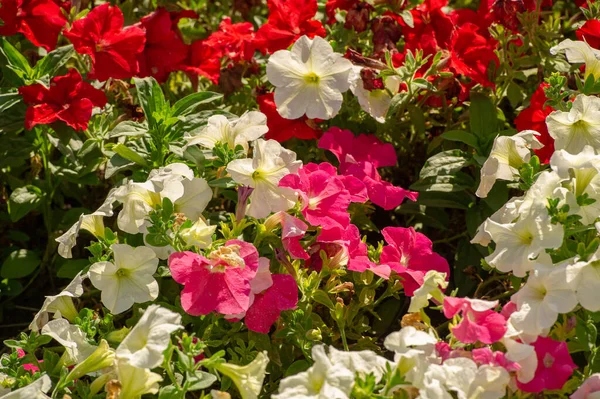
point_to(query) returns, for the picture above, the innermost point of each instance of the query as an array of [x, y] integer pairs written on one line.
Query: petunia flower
[[68, 99], [270, 163], [373, 100], [113, 50], [472, 54], [506, 157], [584, 277], [309, 79], [546, 294], [36, 390], [199, 235], [77, 348], [480, 323], [589, 32], [128, 280], [590, 389], [136, 381], [164, 50], [410, 255], [144, 345], [578, 127], [236, 41], [554, 368], [288, 21], [249, 378], [433, 284], [233, 132], [268, 304], [282, 129], [292, 231], [323, 195], [41, 21], [218, 283], [360, 157], [580, 52], [203, 60]]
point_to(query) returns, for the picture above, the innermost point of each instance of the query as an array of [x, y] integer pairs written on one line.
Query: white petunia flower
[[233, 132], [136, 381], [579, 52], [199, 235], [508, 213], [128, 280], [584, 276], [409, 338], [94, 223], [144, 345], [580, 126], [545, 295], [309, 79], [360, 362], [323, 380], [61, 305], [507, 155], [374, 102], [270, 163], [524, 355], [432, 286], [519, 244], [249, 378], [196, 196], [77, 348], [36, 390]]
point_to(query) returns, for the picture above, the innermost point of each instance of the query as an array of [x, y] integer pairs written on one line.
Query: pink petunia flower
[[324, 197], [28, 366], [218, 283], [292, 231], [360, 157], [590, 388], [268, 305], [554, 369], [485, 355], [479, 324], [410, 255]]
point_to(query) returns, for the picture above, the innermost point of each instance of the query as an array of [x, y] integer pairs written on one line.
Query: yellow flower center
[[312, 78]]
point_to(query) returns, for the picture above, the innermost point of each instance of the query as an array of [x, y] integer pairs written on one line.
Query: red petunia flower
[[332, 5], [203, 60], [113, 50], [472, 54], [590, 32], [534, 118], [68, 99], [236, 41], [39, 20], [165, 50], [282, 129], [288, 20]]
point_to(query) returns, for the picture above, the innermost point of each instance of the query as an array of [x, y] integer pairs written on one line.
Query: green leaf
[[151, 99], [20, 263], [483, 115], [129, 128], [170, 392], [130, 154], [14, 58], [22, 201], [8, 100], [117, 164], [188, 104], [53, 61], [71, 267], [200, 380], [10, 287], [323, 298], [223, 182], [460, 136], [444, 163]]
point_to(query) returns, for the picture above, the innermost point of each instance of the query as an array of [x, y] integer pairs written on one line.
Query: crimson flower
[[472, 54], [113, 50], [590, 32], [288, 20], [68, 99], [165, 50], [282, 129], [534, 118], [332, 5], [204, 60], [39, 20], [236, 41]]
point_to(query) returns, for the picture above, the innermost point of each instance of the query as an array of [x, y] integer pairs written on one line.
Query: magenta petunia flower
[[485, 355], [480, 322], [219, 283], [410, 254], [268, 305], [360, 156], [554, 369]]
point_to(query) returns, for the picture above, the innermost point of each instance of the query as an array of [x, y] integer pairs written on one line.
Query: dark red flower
[[113, 50], [288, 20], [39, 20], [333, 5], [68, 99], [472, 54], [359, 16], [386, 33], [236, 41], [165, 50], [282, 129], [506, 12], [534, 118], [204, 60], [590, 32]]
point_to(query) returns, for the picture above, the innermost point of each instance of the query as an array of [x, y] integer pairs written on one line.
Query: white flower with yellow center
[[585, 279], [199, 235], [432, 286], [136, 381], [270, 163], [128, 280], [578, 127], [249, 378], [309, 79], [579, 52]]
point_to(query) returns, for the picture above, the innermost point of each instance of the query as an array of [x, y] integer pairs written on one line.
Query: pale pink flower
[[480, 322], [485, 355], [554, 369], [360, 156], [410, 254], [218, 283], [590, 389]]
